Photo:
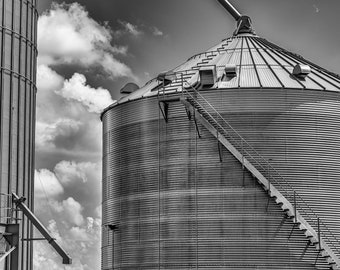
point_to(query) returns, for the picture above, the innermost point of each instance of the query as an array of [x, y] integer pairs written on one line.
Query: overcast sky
[[89, 49]]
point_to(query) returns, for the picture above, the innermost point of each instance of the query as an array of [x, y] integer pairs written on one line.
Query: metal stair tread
[[210, 119]]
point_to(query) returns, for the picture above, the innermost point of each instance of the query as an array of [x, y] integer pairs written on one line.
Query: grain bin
[[229, 161], [18, 47]]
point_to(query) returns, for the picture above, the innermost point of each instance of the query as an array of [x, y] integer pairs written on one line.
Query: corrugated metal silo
[[18, 20], [228, 161]]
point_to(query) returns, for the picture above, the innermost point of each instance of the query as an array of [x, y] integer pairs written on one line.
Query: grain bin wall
[[173, 198], [18, 22]]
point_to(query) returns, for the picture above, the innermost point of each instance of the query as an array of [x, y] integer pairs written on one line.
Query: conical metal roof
[[258, 64]]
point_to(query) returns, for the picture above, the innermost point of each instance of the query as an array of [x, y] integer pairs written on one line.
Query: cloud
[[47, 184], [77, 235], [68, 133], [82, 243], [130, 28], [69, 197], [70, 172], [68, 123], [157, 32], [58, 134], [67, 35], [48, 79], [316, 8], [79, 180], [72, 210], [95, 100]]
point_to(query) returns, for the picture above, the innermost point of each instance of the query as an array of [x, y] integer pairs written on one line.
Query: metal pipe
[[41, 228], [231, 9]]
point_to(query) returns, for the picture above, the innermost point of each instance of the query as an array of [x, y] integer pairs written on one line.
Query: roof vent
[[207, 76], [129, 88], [166, 77], [193, 82], [301, 71], [230, 70]]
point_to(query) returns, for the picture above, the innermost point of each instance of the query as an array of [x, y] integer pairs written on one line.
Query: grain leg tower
[[18, 54], [229, 161]]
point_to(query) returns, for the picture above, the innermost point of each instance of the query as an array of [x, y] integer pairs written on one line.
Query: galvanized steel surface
[[176, 206], [18, 30], [260, 64]]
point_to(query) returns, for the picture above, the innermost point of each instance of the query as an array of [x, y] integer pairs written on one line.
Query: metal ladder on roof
[[327, 245]]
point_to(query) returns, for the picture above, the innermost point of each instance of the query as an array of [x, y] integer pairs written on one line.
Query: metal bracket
[[163, 104], [196, 125], [12, 234], [188, 113], [220, 153], [267, 203], [243, 171], [164, 107]]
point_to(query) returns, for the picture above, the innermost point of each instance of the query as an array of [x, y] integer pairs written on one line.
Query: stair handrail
[[302, 209]]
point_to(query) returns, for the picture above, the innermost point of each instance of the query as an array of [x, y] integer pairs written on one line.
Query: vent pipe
[[244, 23], [231, 9]]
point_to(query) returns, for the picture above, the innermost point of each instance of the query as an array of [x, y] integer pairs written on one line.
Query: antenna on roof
[[244, 23]]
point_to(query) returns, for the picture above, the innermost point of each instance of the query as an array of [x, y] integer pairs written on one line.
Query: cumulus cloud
[[70, 172], [78, 234], [72, 189], [73, 210], [95, 100], [130, 28], [48, 79], [67, 115], [67, 35], [157, 32], [80, 242], [55, 134], [68, 132], [47, 184]]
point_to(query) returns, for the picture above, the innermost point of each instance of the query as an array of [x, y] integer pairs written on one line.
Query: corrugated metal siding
[[18, 30], [267, 77], [262, 60], [298, 130], [249, 77], [178, 207]]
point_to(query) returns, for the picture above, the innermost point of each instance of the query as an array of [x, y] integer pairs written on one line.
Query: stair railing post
[[164, 88], [295, 217], [182, 85], [243, 173], [268, 173], [319, 235]]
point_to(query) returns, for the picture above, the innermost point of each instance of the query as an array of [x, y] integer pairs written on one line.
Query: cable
[[45, 193]]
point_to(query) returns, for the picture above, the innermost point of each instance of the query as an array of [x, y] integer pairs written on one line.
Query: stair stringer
[[310, 232]]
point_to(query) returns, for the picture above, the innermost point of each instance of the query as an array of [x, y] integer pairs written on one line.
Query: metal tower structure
[[18, 53], [18, 60]]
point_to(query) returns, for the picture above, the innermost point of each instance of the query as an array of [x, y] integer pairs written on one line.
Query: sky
[[89, 49]]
